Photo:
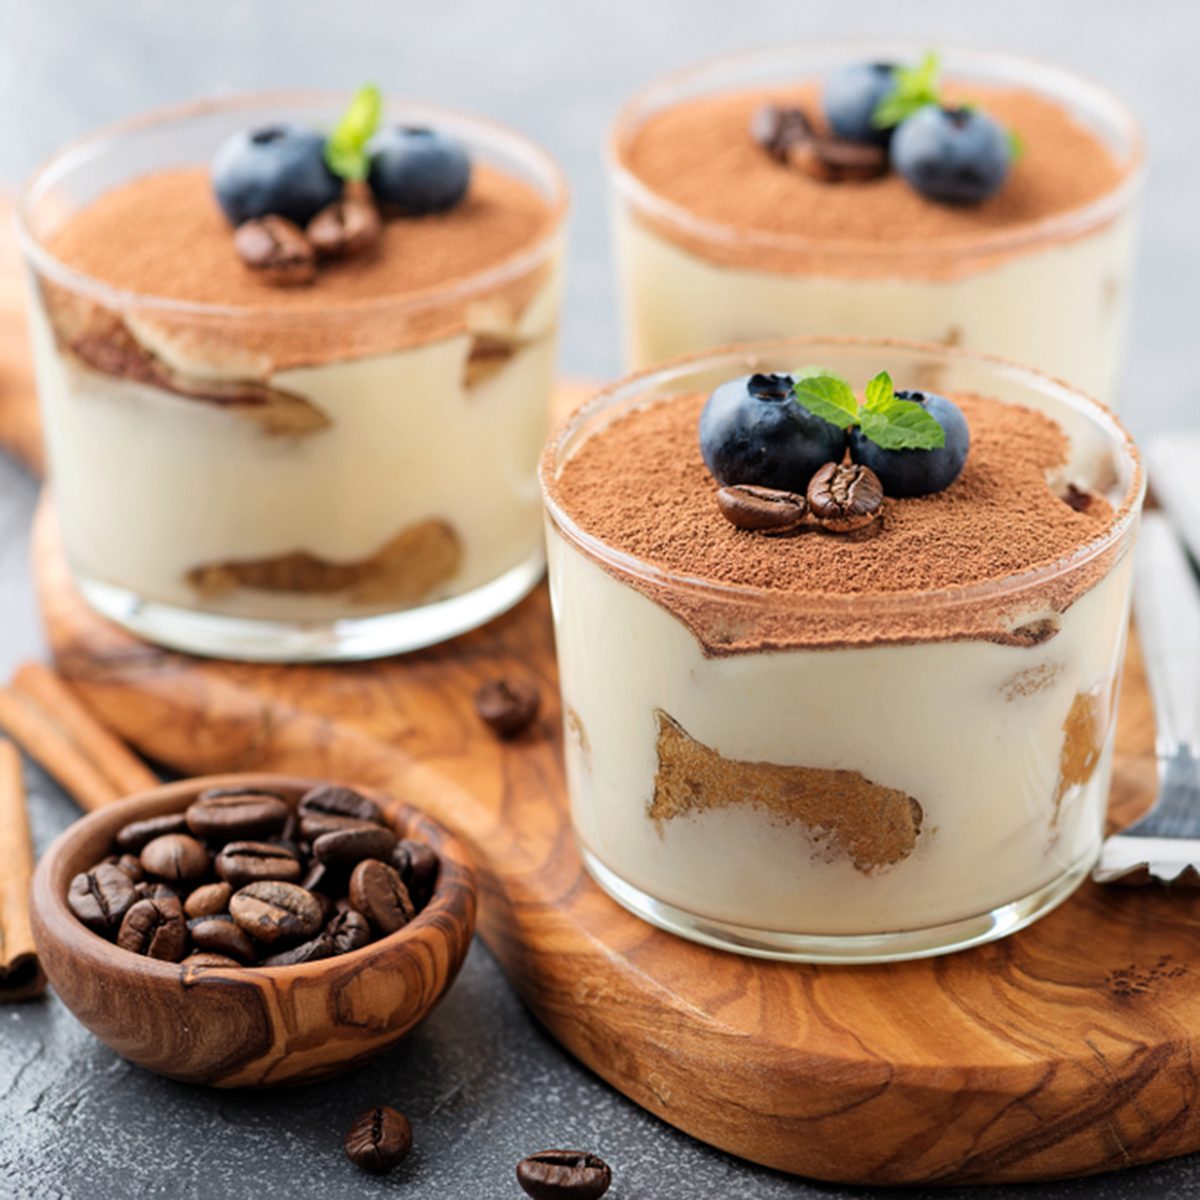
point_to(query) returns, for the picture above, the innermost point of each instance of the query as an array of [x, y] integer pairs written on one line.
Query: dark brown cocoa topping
[[761, 509], [641, 487]]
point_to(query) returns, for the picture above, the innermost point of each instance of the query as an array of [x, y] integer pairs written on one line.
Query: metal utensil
[[1164, 845]]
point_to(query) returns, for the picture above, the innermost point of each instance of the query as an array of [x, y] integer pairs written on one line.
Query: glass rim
[[744, 355], [108, 137], [1058, 226]]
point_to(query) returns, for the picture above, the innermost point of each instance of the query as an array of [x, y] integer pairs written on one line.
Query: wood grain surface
[[1066, 1049], [250, 1026]]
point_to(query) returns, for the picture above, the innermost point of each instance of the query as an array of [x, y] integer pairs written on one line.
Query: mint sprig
[[915, 88], [884, 418], [346, 147]]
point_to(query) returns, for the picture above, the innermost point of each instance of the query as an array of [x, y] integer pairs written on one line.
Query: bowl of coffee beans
[[253, 930]]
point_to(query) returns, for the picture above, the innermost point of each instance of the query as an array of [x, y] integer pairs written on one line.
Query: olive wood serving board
[[1068, 1048]]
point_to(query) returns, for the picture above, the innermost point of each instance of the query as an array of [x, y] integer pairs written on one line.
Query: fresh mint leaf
[[346, 147], [916, 88], [902, 425], [829, 397], [880, 392]]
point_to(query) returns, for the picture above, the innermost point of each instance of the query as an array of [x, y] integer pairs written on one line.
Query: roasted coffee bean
[[314, 825], [313, 950], [204, 958], [276, 250], [132, 866], [335, 801], [507, 706], [777, 129], [845, 497], [153, 889], [222, 935], [378, 892], [836, 160], [418, 867], [761, 509], [379, 1140], [240, 863], [101, 897], [348, 931], [564, 1175], [155, 928], [236, 814], [208, 900], [348, 226], [344, 847], [271, 911], [132, 837], [175, 857]]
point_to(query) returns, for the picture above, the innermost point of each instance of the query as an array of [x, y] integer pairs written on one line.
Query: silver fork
[[1164, 845]]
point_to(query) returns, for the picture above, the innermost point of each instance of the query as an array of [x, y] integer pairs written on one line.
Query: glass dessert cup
[[370, 490], [1050, 292], [912, 773]]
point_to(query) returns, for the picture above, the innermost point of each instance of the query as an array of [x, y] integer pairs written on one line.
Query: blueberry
[[918, 472], [954, 155], [753, 431], [851, 96], [278, 170], [418, 171]]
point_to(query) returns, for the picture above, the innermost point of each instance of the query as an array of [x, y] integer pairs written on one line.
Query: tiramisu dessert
[[963, 198], [295, 361], [840, 657]]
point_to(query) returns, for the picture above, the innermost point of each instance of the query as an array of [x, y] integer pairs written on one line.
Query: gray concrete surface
[[483, 1085]]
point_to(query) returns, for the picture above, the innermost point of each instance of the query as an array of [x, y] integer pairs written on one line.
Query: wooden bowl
[[249, 1026]]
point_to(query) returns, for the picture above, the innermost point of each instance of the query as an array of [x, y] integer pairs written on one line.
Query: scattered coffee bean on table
[[243, 879], [507, 706], [379, 1140], [564, 1175]]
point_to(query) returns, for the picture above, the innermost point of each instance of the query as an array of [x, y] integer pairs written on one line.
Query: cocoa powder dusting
[[163, 235], [641, 487], [700, 156]]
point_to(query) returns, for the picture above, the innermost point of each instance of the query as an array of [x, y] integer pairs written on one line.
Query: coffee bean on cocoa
[[507, 706], [564, 1175], [348, 931], [222, 935], [845, 497], [176, 857], [101, 897], [236, 814], [761, 509], [132, 837], [277, 250], [155, 928], [418, 867], [344, 847], [272, 911], [378, 892], [379, 1139], [348, 226], [335, 801], [208, 900], [240, 863]]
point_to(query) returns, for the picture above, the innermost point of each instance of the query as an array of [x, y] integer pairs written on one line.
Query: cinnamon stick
[[27, 723], [111, 757], [20, 973]]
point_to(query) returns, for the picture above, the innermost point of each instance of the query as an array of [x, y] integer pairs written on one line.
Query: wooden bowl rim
[[455, 892]]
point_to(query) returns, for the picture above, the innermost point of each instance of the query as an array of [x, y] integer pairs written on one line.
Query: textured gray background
[[482, 1084]]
